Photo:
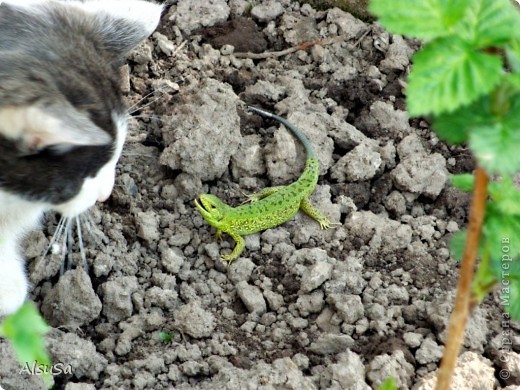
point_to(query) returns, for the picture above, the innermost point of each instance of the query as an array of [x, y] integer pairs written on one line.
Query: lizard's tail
[[297, 132]]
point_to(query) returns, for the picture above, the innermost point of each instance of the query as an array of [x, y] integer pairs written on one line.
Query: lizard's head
[[211, 208]]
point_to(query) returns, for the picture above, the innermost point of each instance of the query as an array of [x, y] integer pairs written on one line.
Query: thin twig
[[281, 53], [461, 310]]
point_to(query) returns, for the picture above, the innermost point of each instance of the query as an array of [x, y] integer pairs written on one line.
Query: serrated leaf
[[25, 329], [464, 181], [496, 148], [424, 19], [457, 243], [455, 127], [448, 74], [506, 196], [489, 23], [501, 234], [485, 278], [508, 274]]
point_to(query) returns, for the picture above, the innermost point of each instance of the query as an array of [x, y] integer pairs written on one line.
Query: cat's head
[[62, 116]]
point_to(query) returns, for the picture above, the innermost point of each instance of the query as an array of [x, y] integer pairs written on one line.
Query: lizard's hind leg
[[307, 207], [263, 193]]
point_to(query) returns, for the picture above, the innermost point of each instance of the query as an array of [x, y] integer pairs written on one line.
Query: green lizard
[[271, 206]]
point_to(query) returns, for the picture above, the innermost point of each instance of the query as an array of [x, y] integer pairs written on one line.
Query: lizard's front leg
[[316, 214], [237, 250]]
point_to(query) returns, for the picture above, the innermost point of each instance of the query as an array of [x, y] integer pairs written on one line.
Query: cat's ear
[[122, 25], [34, 128]]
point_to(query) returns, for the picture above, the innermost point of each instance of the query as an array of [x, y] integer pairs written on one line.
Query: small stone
[[274, 300], [117, 297], [376, 312], [395, 202], [142, 54], [349, 26], [413, 340], [227, 50], [348, 372], [509, 362], [72, 302], [193, 320], [193, 14], [164, 44], [388, 119], [80, 386], [240, 270], [452, 227], [397, 56], [315, 276], [252, 298], [472, 372], [310, 303], [359, 164], [266, 12], [384, 366], [397, 295], [429, 352], [147, 226], [210, 124], [419, 172], [172, 259], [103, 264], [328, 344], [80, 354], [349, 307]]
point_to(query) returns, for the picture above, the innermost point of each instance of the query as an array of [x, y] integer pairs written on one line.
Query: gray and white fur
[[62, 116]]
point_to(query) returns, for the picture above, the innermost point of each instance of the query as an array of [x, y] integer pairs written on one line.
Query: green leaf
[[448, 74], [513, 54], [424, 19], [464, 181], [485, 278], [165, 336], [457, 243], [508, 275], [25, 329], [489, 23], [501, 234], [388, 384], [514, 300], [496, 148], [506, 196], [513, 80], [455, 127]]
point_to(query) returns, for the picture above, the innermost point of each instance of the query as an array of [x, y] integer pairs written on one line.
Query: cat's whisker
[[54, 238], [145, 116], [69, 242], [161, 89], [81, 247], [148, 104], [64, 245], [86, 218], [133, 106]]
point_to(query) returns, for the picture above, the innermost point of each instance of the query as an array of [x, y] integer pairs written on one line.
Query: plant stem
[[461, 310]]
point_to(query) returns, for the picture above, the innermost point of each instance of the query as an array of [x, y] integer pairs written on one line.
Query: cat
[[62, 116]]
